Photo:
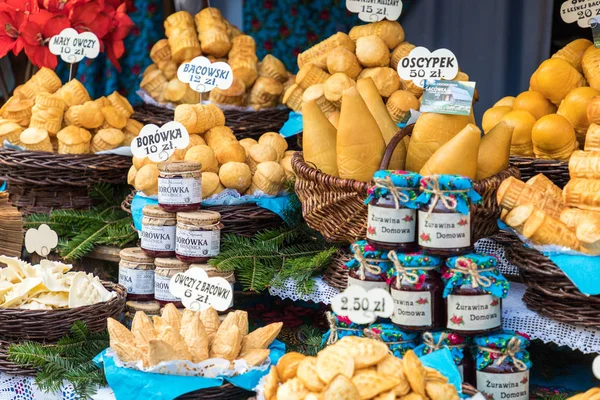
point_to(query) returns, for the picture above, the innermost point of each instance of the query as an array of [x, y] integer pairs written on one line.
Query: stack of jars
[[420, 244], [176, 235]]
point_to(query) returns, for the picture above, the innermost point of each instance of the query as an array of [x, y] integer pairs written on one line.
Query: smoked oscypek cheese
[[474, 289], [444, 217]]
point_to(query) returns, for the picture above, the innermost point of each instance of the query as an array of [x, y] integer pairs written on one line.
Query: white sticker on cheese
[[73, 46], [375, 10], [421, 65]]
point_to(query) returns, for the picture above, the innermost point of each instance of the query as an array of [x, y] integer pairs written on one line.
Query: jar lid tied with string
[[503, 363], [416, 288], [369, 266], [474, 289], [457, 344], [392, 210], [444, 219], [398, 341], [339, 327]]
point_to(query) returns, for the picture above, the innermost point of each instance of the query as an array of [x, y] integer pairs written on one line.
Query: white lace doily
[[489, 246], [16, 387], [322, 293]]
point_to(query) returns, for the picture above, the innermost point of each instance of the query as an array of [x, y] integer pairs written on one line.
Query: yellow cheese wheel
[[574, 108], [555, 78], [553, 137], [522, 122], [534, 103], [505, 101], [493, 115]]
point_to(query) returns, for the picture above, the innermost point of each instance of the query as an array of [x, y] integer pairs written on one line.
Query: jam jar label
[[513, 386], [198, 243], [179, 191], [474, 313], [137, 281], [366, 284], [411, 308], [161, 289], [391, 225], [158, 238], [444, 231]]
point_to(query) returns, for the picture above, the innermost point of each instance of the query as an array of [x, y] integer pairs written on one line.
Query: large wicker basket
[[335, 206], [556, 171], [549, 291], [227, 391], [42, 181], [50, 325]]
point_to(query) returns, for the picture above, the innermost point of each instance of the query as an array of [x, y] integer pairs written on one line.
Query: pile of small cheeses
[[48, 286], [562, 106], [45, 115], [246, 165], [193, 336], [259, 85]]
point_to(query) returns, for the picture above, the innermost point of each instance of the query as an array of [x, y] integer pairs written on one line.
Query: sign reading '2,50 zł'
[[375, 10], [422, 65], [362, 306]]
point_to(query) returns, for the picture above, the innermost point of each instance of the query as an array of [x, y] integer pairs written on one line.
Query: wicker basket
[[244, 219], [556, 171], [51, 325], [227, 391], [245, 124], [336, 274], [549, 291], [9, 367], [335, 206]]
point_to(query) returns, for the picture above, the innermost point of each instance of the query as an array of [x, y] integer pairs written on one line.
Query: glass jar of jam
[[502, 363], [136, 273], [398, 341], [369, 267], [474, 289], [179, 186], [158, 232], [340, 327], [150, 308], [417, 289], [445, 226], [166, 268], [198, 236], [392, 211], [212, 271], [458, 346]]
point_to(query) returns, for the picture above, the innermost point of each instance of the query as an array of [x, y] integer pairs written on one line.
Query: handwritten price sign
[[422, 65], [375, 10], [363, 307], [158, 144], [198, 292], [581, 11], [204, 76], [73, 46]]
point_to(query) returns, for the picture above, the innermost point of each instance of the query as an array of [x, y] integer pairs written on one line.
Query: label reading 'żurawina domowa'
[[444, 231]]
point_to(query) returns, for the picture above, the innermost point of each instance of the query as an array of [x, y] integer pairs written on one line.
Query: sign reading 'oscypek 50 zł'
[[422, 65], [158, 144], [204, 76], [375, 10], [73, 46]]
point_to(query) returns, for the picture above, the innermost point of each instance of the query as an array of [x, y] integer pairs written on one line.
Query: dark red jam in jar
[[158, 232], [392, 211], [474, 289], [417, 289], [445, 226], [369, 267], [165, 269], [459, 349], [502, 363], [136, 273], [198, 237], [179, 186]]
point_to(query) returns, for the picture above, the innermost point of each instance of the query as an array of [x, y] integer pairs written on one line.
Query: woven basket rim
[[50, 156]]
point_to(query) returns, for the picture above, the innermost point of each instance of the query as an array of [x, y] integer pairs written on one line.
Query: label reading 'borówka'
[[179, 191]]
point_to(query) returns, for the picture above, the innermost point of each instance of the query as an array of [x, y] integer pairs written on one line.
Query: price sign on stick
[[73, 46], [363, 307], [375, 10], [198, 292], [581, 11], [204, 76], [158, 144], [421, 65], [41, 240]]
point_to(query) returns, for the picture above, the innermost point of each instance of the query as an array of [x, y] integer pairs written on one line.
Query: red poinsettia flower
[[10, 23], [90, 17], [120, 26], [59, 6], [36, 32]]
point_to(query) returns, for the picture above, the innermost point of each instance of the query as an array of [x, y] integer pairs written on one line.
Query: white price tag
[[204, 76], [581, 11], [158, 144], [41, 240], [363, 307], [421, 65], [375, 10], [73, 46], [198, 292]]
